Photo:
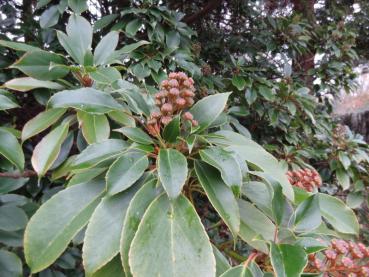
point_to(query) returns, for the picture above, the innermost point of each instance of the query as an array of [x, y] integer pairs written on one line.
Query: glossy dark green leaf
[[95, 128], [225, 163], [104, 21], [47, 150], [288, 260], [206, 116], [341, 217], [239, 82], [105, 47], [307, 215], [102, 237], [10, 264], [105, 75], [238, 271], [222, 265], [139, 204], [36, 64], [260, 194], [78, 6], [77, 41], [55, 224], [98, 152], [41, 122], [111, 269], [188, 252], [49, 17], [28, 83], [172, 130], [125, 171], [133, 26], [10, 149], [172, 170], [10, 184], [7, 103], [343, 178], [19, 46], [85, 99], [12, 218], [220, 195], [173, 39], [136, 135]]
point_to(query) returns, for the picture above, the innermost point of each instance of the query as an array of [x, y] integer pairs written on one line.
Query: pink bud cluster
[[342, 258], [176, 94], [306, 179]]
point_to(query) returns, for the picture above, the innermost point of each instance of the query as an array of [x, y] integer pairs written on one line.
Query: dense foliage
[[145, 138]]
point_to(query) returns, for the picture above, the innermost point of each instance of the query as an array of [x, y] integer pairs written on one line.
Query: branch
[[211, 5], [17, 175]]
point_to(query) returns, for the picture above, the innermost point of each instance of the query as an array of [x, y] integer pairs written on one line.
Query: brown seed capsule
[[164, 83]]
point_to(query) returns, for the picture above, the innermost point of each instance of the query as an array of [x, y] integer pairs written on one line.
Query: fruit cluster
[[176, 94], [342, 258], [307, 179]]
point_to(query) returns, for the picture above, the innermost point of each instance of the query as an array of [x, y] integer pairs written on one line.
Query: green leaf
[[187, 252], [355, 199], [10, 149], [10, 264], [101, 243], [253, 153], [28, 83], [36, 64], [19, 46], [307, 215], [137, 207], [206, 116], [172, 130], [220, 195], [105, 75], [312, 245], [136, 135], [98, 152], [173, 39], [140, 70], [57, 221], [12, 218], [11, 184], [341, 217], [7, 103], [172, 170], [238, 271], [125, 171], [133, 26], [47, 150], [112, 269], [222, 264], [104, 21], [78, 40], [225, 163], [122, 118], [131, 47], [41, 122], [343, 178], [256, 220], [105, 47], [239, 82], [260, 194], [49, 17], [95, 128], [78, 6], [85, 99], [288, 260]]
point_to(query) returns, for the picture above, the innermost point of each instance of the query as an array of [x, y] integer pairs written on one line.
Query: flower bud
[[188, 116], [174, 92], [166, 119], [347, 262], [155, 114], [194, 122], [188, 93], [167, 108], [173, 83], [181, 102]]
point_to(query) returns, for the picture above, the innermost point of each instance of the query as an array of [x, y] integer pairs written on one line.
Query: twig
[[17, 175]]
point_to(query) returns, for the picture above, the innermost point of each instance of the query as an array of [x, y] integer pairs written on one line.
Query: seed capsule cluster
[[342, 258], [176, 94], [307, 179]]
